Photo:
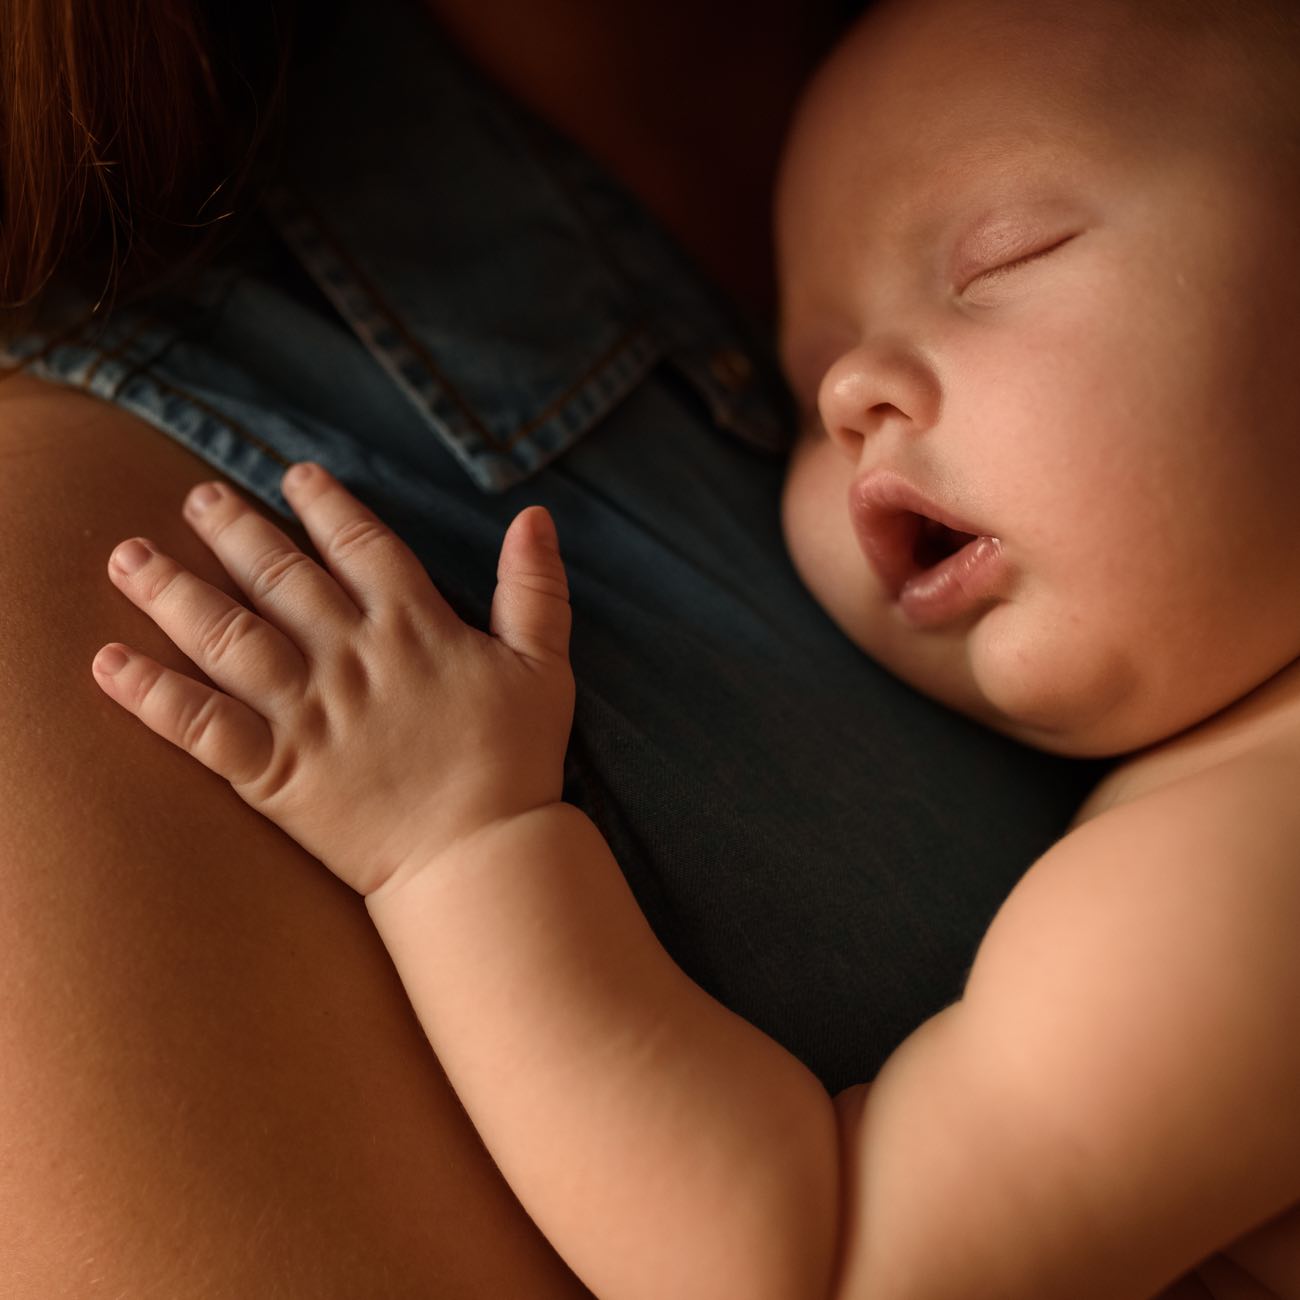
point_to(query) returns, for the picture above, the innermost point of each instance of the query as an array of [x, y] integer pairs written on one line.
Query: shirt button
[[731, 368]]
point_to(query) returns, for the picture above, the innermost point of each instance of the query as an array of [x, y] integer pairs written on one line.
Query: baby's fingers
[[367, 558], [224, 735], [530, 608]]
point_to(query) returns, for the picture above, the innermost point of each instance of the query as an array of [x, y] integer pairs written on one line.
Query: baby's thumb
[[530, 607]]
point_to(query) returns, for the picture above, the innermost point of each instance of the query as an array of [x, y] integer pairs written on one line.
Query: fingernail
[[130, 556], [109, 661], [298, 474], [202, 497]]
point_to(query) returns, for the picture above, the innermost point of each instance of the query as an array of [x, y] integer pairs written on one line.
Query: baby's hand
[[361, 715]]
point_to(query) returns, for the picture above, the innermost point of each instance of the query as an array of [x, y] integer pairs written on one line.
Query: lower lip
[[955, 586]]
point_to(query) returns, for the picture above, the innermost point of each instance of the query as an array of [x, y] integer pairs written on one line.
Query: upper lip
[[888, 514]]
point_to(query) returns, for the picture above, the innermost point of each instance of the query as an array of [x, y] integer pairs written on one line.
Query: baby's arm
[[665, 1147], [1110, 1100]]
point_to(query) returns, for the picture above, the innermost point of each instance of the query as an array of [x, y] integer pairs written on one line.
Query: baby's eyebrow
[[996, 169]]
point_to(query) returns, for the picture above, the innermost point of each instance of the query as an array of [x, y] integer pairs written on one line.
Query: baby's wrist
[[529, 828]]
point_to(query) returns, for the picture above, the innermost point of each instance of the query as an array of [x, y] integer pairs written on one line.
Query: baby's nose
[[874, 384]]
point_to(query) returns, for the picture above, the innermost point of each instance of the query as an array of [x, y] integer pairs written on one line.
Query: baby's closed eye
[[1016, 263]]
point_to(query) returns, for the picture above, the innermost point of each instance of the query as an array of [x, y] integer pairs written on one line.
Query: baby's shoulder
[[1138, 990], [1237, 813], [1200, 865], [1231, 773], [1256, 775]]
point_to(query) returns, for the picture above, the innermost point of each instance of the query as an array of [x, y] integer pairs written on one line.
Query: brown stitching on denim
[[603, 360], [416, 347], [142, 365], [176, 336], [233, 425], [59, 336], [419, 350], [141, 325]]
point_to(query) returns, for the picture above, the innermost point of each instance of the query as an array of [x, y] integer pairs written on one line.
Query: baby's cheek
[[814, 510], [815, 495]]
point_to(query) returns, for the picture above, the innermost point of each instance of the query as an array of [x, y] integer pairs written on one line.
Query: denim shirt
[[459, 314]]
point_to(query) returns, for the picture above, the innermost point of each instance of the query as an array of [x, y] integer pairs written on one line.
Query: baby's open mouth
[[934, 541], [933, 565]]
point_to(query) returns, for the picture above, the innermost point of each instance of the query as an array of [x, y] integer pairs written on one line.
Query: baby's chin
[[1052, 698], [1061, 734], [1073, 700]]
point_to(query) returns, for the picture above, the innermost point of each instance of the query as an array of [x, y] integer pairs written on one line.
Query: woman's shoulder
[[49, 428], [82, 474]]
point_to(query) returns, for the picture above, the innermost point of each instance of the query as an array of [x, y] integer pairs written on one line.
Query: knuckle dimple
[[349, 677], [407, 628], [311, 725]]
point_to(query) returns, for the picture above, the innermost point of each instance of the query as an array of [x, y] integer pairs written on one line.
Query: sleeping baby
[[1040, 307]]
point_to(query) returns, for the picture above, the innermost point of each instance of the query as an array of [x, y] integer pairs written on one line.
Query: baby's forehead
[[969, 63], [1112, 65], [913, 102], [921, 92]]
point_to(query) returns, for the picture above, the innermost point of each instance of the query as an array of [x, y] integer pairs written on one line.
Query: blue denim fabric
[[459, 314]]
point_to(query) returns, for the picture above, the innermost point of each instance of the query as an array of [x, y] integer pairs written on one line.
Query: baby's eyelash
[[996, 272]]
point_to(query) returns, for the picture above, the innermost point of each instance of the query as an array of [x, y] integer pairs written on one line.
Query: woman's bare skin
[[176, 1122], [211, 1081]]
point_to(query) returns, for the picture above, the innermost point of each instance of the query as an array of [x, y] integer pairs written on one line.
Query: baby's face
[[1058, 304]]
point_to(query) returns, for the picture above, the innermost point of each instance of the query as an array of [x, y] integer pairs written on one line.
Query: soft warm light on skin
[[1066, 307]]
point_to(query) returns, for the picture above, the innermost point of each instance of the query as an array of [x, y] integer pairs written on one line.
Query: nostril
[[848, 441]]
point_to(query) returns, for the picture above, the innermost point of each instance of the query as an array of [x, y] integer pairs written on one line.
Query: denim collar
[[509, 287]]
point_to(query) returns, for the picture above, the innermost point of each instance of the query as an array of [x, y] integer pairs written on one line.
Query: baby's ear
[[530, 607]]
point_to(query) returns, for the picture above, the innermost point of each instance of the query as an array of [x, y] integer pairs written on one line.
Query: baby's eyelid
[[1015, 263]]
